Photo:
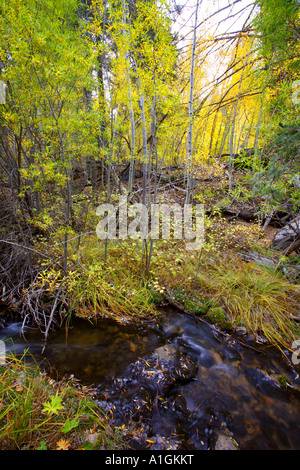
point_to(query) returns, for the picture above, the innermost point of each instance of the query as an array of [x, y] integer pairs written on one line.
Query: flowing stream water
[[235, 386]]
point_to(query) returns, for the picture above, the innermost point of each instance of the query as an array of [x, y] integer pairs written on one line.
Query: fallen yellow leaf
[[63, 444]]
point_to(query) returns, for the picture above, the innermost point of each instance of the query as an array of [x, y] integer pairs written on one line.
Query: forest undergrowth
[[111, 280]]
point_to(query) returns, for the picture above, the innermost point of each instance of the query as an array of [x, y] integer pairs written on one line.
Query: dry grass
[[254, 296]]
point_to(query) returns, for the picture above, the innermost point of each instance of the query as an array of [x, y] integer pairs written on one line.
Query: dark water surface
[[234, 384], [89, 351]]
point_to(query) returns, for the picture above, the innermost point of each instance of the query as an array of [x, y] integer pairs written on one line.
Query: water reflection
[[235, 387], [238, 388]]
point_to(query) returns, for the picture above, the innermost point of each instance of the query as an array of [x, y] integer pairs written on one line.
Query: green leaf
[[43, 445], [53, 406], [69, 425]]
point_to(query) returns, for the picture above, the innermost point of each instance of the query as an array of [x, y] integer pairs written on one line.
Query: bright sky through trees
[[216, 19], [221, 17]]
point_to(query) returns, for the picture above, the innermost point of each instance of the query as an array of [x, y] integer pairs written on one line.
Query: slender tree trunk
[[217, 140], [154, 153], [145, 149], [131, 112], [231, 158], [103, 143], [107, 200], [191, 112], [235, 113], [213, 130], [258, 126], [224, 137], [68, 201]]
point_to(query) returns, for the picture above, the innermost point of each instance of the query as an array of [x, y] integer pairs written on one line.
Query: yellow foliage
[[63, 444]]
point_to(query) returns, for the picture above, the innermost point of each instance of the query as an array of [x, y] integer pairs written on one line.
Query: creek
[[234, 387]]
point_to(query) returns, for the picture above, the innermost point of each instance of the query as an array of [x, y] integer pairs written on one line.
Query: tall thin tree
[[191, 111]]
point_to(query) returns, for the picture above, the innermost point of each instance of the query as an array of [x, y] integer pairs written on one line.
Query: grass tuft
[[37, 413], [254, 296]]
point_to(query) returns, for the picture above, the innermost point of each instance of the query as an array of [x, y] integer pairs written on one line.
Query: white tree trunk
[[131, 112], [191, 112]]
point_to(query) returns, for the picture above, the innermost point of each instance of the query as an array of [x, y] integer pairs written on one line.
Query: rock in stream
[[147, 388], [163, 369]]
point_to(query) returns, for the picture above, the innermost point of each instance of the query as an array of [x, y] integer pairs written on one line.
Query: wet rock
[[274, 381], [170, 329], [225, 442], [241, 331], [125, 401], [163, 369], [158, 380], [265, 382], [166, 353], [179, 406], [186, 370], [141, 405], [143, 397], [163, 443], [287, 235], [140, 440], [92, 437]]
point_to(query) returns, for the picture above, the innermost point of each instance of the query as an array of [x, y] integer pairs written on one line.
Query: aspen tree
[[131, 111], [191, 111], [233, 130]]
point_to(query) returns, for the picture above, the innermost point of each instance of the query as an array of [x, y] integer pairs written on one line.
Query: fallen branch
[[51, 316], [32, 250]]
